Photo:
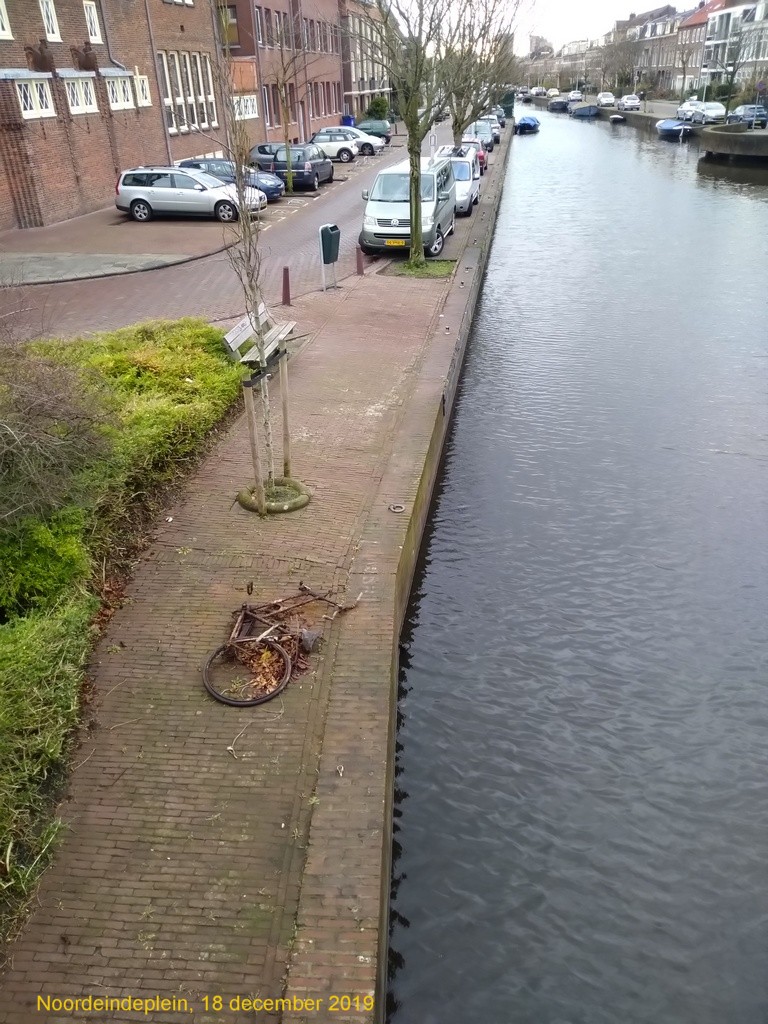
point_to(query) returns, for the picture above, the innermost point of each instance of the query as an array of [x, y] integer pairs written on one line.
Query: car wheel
[[141, 210], [452, 228], [315, 183], [226, 212], [437, 246], [477, 199], [345, 155], [366, 149], [470, 208], [330, 176]]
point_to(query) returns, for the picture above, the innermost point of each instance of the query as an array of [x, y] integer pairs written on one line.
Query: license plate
[[394, 241]]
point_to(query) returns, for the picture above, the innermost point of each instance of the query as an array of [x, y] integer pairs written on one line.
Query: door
[[160, 191], [189, 196]]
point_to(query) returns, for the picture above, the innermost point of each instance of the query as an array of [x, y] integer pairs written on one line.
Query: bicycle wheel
[[245, 674]]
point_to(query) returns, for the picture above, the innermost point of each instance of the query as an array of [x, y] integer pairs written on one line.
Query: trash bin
[[348, 120], [330, 235]]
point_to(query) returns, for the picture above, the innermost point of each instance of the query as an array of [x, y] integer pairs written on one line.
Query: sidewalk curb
[[119, 273]]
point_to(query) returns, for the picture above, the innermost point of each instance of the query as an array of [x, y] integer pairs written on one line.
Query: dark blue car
[[269, 184]]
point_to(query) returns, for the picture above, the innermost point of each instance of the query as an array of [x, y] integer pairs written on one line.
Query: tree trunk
[[416, 258]]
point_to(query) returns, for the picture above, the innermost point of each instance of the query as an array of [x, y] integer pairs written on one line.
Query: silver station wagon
[[144, 191]]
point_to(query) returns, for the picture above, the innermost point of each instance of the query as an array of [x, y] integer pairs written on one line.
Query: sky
[[561, 21]]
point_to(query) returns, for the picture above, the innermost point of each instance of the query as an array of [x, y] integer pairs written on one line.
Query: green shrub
[[41, 662], [378, 108], [40, 561]]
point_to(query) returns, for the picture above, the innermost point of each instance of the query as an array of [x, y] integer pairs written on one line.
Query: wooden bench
[[243, 331]]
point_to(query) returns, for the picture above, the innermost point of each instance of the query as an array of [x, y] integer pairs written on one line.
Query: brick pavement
[[188, 871]]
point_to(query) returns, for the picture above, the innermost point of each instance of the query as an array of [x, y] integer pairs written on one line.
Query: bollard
[[286, 286], [360, 263]]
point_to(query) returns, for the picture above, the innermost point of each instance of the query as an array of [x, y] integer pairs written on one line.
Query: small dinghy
[[617, 119], [672, 128], [527, 125]]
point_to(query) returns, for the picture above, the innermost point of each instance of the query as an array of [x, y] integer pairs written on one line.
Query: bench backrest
[[244, 330]]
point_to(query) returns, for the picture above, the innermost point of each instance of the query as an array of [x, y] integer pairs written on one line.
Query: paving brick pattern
[[181, 871]]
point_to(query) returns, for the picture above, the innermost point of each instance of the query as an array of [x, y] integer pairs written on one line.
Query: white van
[[466, 171], [387, 218]]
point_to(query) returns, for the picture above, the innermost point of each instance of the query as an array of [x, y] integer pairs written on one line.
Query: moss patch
[[432, 268]]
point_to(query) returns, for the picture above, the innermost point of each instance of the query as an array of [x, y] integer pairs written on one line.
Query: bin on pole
[[330, 235]]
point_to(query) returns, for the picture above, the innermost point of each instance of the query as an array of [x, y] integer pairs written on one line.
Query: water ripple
[[584, 765]]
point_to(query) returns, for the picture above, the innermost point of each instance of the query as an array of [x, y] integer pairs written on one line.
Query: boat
[[585, 110], [558, 106], [617, 119], [527, 125], [673, 128]]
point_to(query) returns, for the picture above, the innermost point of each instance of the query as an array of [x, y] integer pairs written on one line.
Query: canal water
[[582, 781]]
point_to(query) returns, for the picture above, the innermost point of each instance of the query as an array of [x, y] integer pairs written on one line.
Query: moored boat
[[527, 125], [672, 128], [617, 119], [585, 110], [558, 106]]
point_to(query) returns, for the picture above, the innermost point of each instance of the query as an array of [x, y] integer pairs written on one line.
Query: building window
[[189, 93], [292, 102], [143, 95], [259, 26], [5, 25], [246, 106], [50, 21], [269, 36], [81, 96], [230, 34], [276, 105], [119, 93], [176, 91], [197, 84], [165, 84], [210, 95], [287, 33], [265, 102], [92, 21], [278, 31], [305, 33], [35, 98]]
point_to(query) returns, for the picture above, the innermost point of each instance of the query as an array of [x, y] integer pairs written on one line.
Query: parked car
[[493, 121], [337, 143], [466, 172], [381, 129], [575, 96], [500, 114], [629, 102], [367, 144], [686, 109], [472, 140], [538, 90], [309, 165], [754, 116], [483, 131], [268, 183], [606, 99], [551, 93], [709, 113], [263, 154], [144, 191]]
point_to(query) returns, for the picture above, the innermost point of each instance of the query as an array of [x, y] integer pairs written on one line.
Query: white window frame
[[171, 124], [81, 95], [5, 24], [143, 94], [92, 22], [177, 93], [36, 89], [259, 26], [188, 92], [202, 104], [119, 92], [50, 21], [210, 96], [265, 104]]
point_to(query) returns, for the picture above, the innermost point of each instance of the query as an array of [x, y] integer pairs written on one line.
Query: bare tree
[[474, 62], [685, 52], [405, 35], [739, 52], [620, 60]]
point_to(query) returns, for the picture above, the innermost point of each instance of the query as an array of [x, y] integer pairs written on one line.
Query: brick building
[[89, 87]]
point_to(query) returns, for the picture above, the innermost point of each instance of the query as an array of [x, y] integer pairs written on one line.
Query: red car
[[482, 156]]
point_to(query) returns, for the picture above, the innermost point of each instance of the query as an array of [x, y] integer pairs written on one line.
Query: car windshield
[[208, 180], [295, 154], [461, 171], [481, 128], [395, 188]]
